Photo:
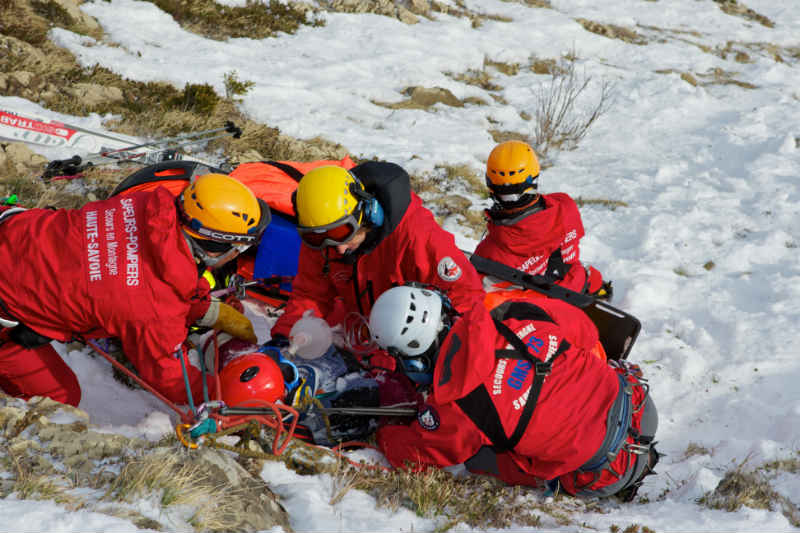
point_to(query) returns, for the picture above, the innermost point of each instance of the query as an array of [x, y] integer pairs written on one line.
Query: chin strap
[[202, 256]]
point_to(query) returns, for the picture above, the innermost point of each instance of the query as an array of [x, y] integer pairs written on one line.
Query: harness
[[619, 428], [478, 405]]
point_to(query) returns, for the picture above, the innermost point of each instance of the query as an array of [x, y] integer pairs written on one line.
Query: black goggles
[[513, 192], [228, 238]]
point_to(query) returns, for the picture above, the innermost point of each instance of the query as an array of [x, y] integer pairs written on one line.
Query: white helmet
[[406, 319]]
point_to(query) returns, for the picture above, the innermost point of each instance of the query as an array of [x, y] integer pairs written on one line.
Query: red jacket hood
[[542, 229], [466, 356]]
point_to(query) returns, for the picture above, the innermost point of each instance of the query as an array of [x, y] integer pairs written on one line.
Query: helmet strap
[[505, 216], [371, 208], [201, 256]]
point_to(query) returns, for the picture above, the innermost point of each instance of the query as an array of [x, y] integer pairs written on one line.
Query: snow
[[705, 253]]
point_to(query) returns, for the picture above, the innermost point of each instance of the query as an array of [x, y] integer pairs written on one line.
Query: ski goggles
[[513, 193], [291, 376], [338, 232], [418, 368]]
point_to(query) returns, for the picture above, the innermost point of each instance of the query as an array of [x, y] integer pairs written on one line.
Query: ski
[[165, 149], [618, 330], [43, 132]]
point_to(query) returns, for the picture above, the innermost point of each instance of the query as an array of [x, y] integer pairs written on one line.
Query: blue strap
[[179, 353], [621, 431]]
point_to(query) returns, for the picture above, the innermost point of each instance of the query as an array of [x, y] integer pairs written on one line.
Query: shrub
[[559, 122]]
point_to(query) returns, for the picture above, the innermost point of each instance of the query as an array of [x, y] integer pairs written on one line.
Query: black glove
[[277, 341]]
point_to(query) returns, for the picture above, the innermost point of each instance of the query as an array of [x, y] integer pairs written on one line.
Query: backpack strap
[[288, 169], [556, 267], [478, 405]]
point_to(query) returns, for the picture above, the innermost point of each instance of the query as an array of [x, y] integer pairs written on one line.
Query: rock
[[92, 94], [425, 97], [24, 52], [23, 158], [22, 77], [81, 18], [52, 439], [421, 7], [405, 16]]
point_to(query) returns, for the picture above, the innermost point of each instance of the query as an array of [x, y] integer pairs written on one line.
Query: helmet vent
[[248, 374], [403, 332], [413, 344]]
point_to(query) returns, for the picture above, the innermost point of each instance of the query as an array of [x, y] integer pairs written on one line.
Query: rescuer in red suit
[[128, 267]]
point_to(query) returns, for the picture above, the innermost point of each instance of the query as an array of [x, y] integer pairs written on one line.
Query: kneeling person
[[519, 393]]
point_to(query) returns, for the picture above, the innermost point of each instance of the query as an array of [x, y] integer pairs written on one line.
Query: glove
[[235, 323], [234, 302], [277, 341]]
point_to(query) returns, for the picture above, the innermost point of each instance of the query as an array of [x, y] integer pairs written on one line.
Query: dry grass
[[28, 481], [695, 449], [612, 31], [732, 7], [37, 70], [177, 483], [605, 202], [751, 488], [255, 19], [476, 501], [423, 98]]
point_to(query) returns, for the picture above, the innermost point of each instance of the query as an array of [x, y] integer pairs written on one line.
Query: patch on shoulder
[[448, 269], [428, 418]]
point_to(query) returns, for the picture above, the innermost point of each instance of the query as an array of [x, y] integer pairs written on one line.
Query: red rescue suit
[[410, 246], [114, 268], [544, 243], [479, 396]]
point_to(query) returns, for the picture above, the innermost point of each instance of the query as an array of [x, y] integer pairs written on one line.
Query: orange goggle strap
[[252, 236]]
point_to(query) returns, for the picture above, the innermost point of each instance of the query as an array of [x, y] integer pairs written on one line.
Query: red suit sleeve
[[151, 348], [452, 441], [310, 290], [438, 261]]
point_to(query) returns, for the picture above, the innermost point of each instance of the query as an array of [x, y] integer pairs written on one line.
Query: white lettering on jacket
[[93, 247], [132, 245], [519, 403], [112, 258], [497, 384]]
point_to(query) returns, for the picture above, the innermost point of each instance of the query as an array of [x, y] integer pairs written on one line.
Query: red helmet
[[253, 376]]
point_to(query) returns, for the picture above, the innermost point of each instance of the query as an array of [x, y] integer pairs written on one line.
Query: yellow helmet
[[511, 173], [326, 195], [218, 209]]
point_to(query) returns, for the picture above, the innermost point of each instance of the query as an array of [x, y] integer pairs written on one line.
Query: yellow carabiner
[[179, 429]]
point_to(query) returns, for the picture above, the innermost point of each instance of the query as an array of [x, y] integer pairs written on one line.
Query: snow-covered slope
[[704, 252]]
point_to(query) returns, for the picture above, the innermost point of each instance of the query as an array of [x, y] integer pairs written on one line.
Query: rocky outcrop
[[51, 451]]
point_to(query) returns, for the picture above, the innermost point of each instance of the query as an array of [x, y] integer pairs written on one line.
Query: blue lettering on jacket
[[535, 343], [518, 374]]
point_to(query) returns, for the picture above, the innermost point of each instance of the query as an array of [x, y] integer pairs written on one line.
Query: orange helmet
[[251, 377], [511, 173], [218, 213]]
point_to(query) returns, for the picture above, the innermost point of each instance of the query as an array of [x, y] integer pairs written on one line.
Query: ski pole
[[229, 128], [75, 164], [354, 411]]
